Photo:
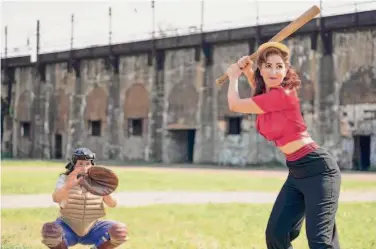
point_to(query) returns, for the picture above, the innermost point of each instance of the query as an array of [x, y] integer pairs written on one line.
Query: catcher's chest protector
[[81, 210]]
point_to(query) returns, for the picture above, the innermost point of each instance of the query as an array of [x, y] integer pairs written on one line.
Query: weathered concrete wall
[[157, 104], [63, 89], [6, 143], [373, 151], [204, 147], [22, 143], [354, 92], [181, 103], [359, 120], [177, 147], [175, 92], [42, 90], [95, 82], [135, 87]]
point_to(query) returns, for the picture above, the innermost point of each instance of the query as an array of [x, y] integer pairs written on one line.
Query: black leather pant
[[311, 191]]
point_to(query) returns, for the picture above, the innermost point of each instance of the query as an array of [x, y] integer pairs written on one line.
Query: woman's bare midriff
[[293, 146]]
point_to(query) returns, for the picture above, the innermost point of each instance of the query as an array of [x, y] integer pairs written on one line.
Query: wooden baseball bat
[[284, 33]]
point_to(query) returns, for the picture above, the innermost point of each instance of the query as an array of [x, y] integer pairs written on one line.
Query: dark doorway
[[58, 146], [234, 125], [362, 152], [191, 144], [182, 145]]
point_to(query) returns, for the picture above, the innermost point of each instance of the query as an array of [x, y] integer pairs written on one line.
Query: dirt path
[[259, 172], [133, 199]]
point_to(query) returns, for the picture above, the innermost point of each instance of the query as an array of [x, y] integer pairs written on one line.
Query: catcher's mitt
[[99, 181]]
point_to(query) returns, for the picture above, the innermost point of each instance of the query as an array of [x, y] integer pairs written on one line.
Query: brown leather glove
[[100, 181]]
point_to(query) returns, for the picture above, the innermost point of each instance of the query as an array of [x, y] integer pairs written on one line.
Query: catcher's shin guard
[[62, 245], [52, 235], [118, 235], [106, 245]]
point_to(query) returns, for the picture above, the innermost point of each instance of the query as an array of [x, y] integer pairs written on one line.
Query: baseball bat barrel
[[284, 33]]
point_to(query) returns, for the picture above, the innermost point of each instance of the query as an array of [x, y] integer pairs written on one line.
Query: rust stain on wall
[[62, 111], [182, 105], [24, 106], [136, 103], [96, 105]]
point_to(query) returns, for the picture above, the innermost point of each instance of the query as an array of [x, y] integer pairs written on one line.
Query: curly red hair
[[291, 80]]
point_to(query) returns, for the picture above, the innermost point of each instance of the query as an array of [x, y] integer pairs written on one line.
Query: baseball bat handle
[[224, 77], [221, 79]]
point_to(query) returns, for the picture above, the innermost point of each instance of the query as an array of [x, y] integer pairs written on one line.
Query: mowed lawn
[[32, 177], [209, 226], [204, 226]]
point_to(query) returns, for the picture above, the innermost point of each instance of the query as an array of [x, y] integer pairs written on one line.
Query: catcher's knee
[[52, 234], [118, 233]]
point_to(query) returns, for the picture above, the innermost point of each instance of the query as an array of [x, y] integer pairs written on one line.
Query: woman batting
[[80, 211], [312, 187]]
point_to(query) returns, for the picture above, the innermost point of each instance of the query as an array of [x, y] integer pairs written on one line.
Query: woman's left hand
[[233, 71]]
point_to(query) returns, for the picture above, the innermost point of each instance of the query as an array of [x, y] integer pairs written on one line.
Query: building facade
[[157, 100]]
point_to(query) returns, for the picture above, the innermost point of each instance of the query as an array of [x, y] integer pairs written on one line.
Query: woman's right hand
[[72, 178], [246, 65]]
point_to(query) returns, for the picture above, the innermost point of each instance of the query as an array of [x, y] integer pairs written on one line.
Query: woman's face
[[83, 165], [273, 71]]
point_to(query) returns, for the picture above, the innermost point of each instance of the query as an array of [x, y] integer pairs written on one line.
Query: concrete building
[[132, 102]]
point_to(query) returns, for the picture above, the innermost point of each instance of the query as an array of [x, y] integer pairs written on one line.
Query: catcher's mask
[[81, 154]]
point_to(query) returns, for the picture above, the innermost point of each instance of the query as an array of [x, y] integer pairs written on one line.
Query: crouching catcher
[[82, 207]]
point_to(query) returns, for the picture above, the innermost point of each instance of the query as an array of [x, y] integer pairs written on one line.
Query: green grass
[[219, 226], [16, 180], [33, 163]]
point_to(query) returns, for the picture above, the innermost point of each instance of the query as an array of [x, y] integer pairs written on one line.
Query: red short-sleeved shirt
[[281, 121]]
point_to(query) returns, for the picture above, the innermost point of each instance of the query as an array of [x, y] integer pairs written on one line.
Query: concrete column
[[328, 118], [37, 117], [15, 127], [205, 82], [114, 111], [47, 139], [75, 128], [157, 100], [373, 152]]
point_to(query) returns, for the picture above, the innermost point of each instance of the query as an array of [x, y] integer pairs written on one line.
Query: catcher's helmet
[[81, 154]]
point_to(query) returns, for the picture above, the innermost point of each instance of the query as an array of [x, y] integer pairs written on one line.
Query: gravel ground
[[134, 199]]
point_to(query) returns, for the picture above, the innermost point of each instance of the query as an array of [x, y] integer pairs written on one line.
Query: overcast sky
[[132, 20]]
